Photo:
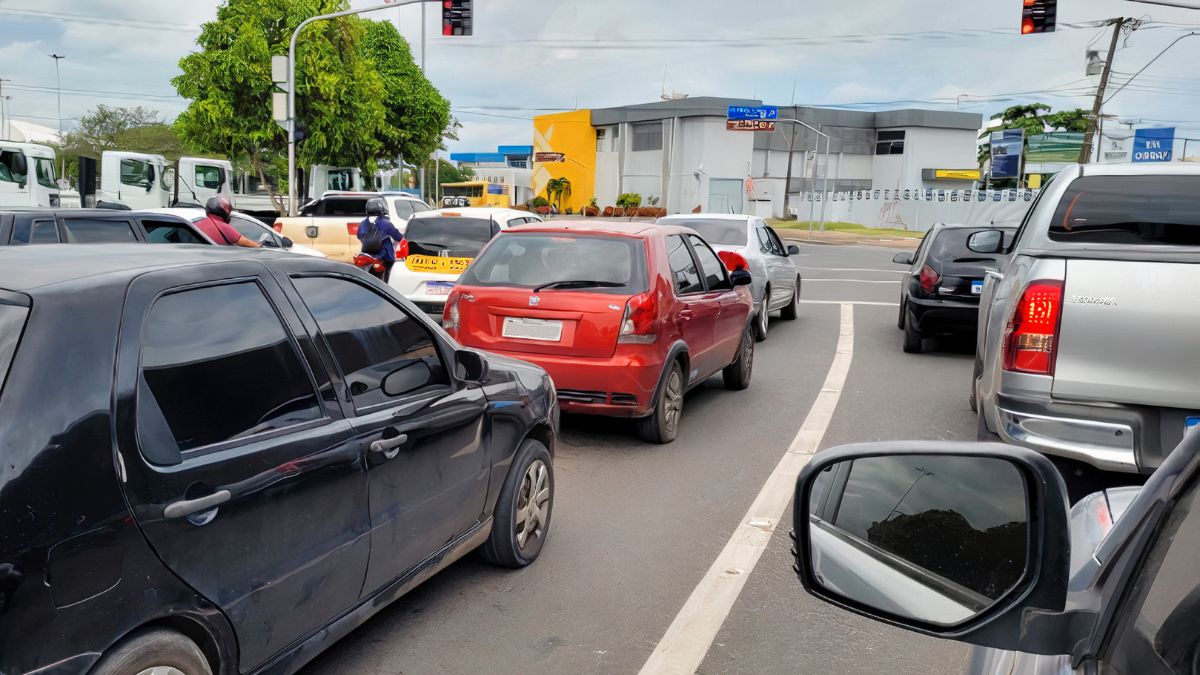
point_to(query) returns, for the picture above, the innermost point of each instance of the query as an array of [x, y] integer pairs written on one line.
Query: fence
[[917, 209]]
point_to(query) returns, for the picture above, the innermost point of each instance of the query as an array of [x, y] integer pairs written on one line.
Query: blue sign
[[1153, 145], [766, 112], [1007, 146]]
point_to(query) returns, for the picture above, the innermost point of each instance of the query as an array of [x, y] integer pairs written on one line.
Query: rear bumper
[[412, 285], [622, 385], [939, 315]]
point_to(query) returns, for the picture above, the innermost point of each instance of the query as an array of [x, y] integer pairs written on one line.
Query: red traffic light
[[457, 17], [1038, 16], [1027, 26]]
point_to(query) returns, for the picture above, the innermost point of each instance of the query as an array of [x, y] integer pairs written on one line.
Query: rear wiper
[[579, 283]]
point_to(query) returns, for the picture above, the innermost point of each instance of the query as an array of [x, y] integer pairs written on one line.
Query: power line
[[95, 92], [99, 20]]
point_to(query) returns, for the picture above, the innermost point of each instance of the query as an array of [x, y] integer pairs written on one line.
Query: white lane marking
[[682, 649], [849, 302], [851, 269], [853, 281]]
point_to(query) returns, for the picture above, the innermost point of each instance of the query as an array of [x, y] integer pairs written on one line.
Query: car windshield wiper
[[579, 283]]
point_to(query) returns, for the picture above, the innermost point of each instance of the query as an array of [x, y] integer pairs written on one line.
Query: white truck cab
[[134, 179], [27, 176], [199, 178], [325, 178]]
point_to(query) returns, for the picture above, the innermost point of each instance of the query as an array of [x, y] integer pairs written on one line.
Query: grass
[[848, 228]]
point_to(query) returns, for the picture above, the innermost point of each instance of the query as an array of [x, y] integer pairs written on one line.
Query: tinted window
[[37, 232], [368, 335], [1129, 210], [135, 173], [952, 243], [683, 267], [718, 232], [780, 249], [252, 230], [12, 320], [89, 231], [459, 237], [8, 167], [711, 265], [768, 244], [210, 177], [218, 365], [531, 260], [900, 507], [403, 209], [647, 136], [45, 172], [355, 208], [169, 232]]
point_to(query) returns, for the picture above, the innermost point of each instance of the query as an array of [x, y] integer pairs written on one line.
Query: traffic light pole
[[1085, 153]]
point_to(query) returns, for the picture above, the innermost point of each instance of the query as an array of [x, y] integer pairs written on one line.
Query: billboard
[[1153, 145], [1057, 146], [1007, 146]]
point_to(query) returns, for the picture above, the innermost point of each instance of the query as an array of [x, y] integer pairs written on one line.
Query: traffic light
[[456, 17], [1038, 16], [301, 131]]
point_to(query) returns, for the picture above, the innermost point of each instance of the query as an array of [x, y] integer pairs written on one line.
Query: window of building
[[683, 268], [647, 136], [889, 143]]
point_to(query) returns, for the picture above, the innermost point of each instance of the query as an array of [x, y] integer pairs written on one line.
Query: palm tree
[[556, 189]]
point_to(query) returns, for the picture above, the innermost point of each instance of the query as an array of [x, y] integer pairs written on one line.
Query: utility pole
[[3, 116], [58, 76], [1085, 153], [423, 74], [787, 182]]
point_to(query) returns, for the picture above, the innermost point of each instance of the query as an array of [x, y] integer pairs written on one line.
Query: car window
[[1129, 211], [170, 232], [683, 266], [135, 173], [45, 172], [95, 231], [210, 177], [8, 170], [252, 230], [218, 365], [342, 207], [36, 232], [369, 336], [532, 260], [776, 242], [711, 265], [717, 231], [1157, 630], [403, 209]]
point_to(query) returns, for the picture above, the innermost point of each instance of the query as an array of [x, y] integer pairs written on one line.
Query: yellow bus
[[476, 193]]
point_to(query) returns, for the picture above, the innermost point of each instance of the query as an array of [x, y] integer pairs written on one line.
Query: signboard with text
[[762, 112], [1153, 145], [749, 125], [549, 157], [1006, 153]]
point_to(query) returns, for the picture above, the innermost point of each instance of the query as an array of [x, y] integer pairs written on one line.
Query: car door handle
[[389, 447], [187, 507], [685, 315]]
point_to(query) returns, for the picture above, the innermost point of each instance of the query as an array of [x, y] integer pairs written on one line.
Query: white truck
[[27, 176]]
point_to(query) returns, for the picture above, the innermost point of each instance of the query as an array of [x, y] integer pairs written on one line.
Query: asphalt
[[635, 526]]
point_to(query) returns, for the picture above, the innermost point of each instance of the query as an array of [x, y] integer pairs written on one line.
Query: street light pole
[[825, 184], [58, 76]]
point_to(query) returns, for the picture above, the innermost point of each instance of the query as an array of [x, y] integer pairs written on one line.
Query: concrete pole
[[787, 182], [824, 182]]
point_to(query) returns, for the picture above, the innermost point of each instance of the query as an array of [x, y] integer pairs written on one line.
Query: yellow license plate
[[428, 263]]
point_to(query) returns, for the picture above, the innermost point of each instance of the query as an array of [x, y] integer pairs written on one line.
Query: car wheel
[[792, 311], [662, 426], [982, 433], [763, 320], [522, 516], [154, 652], [913, 340], [737, 374]]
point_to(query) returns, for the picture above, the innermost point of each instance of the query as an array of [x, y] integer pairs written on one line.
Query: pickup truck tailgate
[[1129, 333]]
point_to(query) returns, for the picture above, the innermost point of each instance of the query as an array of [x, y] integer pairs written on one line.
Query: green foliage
[[540, 202], [629, 199], [416, 114], [130, 129], [558, 188], [1034, 118]]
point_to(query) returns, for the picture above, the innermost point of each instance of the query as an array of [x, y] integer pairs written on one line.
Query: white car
[[439, 245], [251, 228]]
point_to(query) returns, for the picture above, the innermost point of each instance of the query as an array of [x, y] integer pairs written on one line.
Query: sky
[[531, 56]]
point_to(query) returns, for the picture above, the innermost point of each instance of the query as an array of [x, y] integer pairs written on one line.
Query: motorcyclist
[[215, 225], [378, 236]]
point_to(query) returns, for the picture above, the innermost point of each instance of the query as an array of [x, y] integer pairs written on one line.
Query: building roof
[[699, 106], [502, 153]]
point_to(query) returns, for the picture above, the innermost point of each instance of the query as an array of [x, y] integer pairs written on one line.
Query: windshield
[[458, 237], [342, 179], [535, 260], [718, 232], [1130, 211]]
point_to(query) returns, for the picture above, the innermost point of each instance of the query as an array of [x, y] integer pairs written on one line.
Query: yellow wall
[[572, 134]]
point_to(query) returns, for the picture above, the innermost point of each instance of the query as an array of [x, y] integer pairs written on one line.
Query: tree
[[556, 189], [116, 128], [1034, 118]]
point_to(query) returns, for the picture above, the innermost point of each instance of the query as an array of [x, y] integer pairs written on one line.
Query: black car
[[941, 294], [223, 461], [95, 226]]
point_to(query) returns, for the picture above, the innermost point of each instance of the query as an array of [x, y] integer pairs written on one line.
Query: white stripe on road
[[849, 302], [851, 269], [805, 280], [682, 649]]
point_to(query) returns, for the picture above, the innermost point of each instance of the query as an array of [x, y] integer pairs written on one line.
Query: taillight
[[352, 229], [450, 313], [402, 250], [640, 322], [277, 226], [928, 279], [1031, 338]]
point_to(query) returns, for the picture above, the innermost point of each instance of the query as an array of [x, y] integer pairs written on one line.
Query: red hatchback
[[626, 317]]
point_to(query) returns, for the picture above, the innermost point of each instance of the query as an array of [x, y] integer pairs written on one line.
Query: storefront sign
[[749, 125], [1153, 145], [549, 157], [1007, 146]]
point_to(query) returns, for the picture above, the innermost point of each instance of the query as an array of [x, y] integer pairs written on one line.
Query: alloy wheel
[[673, 401], [162, 670], [532, 503]]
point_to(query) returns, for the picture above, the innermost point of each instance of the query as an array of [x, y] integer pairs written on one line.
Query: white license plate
[[438, 287], [546, 330], [976, 288]]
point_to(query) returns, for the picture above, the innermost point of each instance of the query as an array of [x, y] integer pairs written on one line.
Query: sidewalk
[[833, 237]]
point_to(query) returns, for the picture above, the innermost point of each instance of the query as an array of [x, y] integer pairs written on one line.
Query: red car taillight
[[928, 279], [352, 229], [402, 250], [1031, 338], [639, 324], [277, 226], [450, 313]]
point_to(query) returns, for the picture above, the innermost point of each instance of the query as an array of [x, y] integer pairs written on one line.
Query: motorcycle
[[371, 265]]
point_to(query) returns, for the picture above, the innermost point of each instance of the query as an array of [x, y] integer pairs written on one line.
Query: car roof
[[1142, 169], [476, 211], [89, 212], [614, 227], [193, 214], [351, 193], [709, 216]]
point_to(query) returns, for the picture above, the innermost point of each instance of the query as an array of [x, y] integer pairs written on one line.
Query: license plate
[[546, 330], [438, 287], [436, 264], [976, 288], [1190, 423]]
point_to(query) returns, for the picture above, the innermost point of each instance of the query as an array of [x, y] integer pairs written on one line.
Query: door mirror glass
[[986, 241], [472, 365], [411, 376], [740, 277], [267, 241], [793, 250], [288, 243], [903, 259], [935, 539]]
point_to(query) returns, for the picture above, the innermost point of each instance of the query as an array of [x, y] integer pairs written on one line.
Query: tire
[[510, 543], [662, 425], [762, 320], [792, 311], [737, 374], [157, 648], [913, 340], [903, 311]]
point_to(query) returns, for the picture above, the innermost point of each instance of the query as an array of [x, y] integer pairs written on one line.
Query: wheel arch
[[677, 352], [221, 657]]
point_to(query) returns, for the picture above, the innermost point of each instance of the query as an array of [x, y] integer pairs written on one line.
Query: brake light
[[450, 314], [402, 250], [277, 226], [639, 324], [352, 229], [928, 279], [1031, 337]]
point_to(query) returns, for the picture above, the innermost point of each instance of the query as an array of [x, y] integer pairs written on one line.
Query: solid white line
[[849, 302], [851, 269], [805, 280], [682, 649]]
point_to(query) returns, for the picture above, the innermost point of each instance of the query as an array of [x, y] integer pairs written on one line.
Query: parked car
[[95, 226], [776, 281], [251, 228], [248, 456], [626, 317], [973, 542], [439, 245], [1085, 341], [940, 296], [330, 224]]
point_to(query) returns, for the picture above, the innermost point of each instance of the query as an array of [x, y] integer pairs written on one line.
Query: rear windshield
[[337, 207], [532, 260], [458, 237], [718, 232], [12, 319], [1130, 211]]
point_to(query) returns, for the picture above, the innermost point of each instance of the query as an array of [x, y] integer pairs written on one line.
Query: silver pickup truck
[[1089, 337]]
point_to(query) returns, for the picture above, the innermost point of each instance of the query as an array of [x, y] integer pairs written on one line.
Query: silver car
[[775, 281], [1086, 336]]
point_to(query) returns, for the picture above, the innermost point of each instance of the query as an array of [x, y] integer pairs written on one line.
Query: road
[[635, 527]]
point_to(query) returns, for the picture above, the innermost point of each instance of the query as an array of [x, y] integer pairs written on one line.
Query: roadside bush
[[629, 199], [539, 202]]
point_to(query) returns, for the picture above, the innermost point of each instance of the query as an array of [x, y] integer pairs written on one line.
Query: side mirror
[[903, 259], [967, 541], [267, 241], [409, 377], [793, 250], [986, 241], [740, 277], [288, 243], [471, 365]]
